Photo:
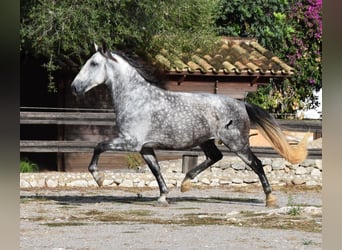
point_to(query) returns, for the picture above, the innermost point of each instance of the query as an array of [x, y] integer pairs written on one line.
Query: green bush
[[63, 32], [26, 166], [292, 30], [134, 160]]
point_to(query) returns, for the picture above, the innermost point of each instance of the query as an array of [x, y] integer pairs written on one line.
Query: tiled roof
[[233, 56]]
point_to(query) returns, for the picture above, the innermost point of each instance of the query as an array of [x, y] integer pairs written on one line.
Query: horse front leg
[[151, 160], [117, 144]]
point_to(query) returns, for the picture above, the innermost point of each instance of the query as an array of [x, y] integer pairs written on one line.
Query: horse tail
[[270, 129]]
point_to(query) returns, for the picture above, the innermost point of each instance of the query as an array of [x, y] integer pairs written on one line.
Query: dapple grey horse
[[149, 117]]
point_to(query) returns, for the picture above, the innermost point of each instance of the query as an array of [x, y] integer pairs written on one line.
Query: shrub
[[290, 29], [26, 166], [134, 161], [63, 32]]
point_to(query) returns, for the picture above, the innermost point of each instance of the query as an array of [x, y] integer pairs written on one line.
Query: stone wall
[[228, 171]]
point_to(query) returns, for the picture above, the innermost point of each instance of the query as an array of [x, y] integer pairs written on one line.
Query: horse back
[[185, 120]]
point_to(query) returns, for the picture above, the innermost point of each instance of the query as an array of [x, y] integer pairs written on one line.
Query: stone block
[[298, 181], [216, 171], [278, 164], [224, 182], [250, 180], [300, 171], [240, 165], [78, 183], [153, 183], [318, 164], [118, 181], [287, 170], [51, 183], [308, 163], [268, 168], [92, 183], [311, 183], [126, 183], [266, 161], [108, 182], [141, 183], [205, 181], [24, 184], [315, 172], [34, 183], [237, 181]]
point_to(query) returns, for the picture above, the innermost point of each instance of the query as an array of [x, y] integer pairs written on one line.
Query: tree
[[293, 31], [63, 32], [261, 19]]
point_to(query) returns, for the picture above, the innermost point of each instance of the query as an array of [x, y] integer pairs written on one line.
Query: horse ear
[[106, 51], [96, 47], [109, 55], [104, 47]]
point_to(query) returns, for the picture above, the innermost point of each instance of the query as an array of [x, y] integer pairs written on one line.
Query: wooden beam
[[232, 75], [67, 118], [87, 147], [74, 118]]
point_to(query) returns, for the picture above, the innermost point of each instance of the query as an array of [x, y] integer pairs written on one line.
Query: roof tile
[[233, 56]]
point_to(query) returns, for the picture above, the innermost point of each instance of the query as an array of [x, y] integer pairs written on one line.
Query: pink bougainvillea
[[306, 43]]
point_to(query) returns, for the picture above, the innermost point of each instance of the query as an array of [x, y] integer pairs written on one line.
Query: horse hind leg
[[213, 154], [251, 160]]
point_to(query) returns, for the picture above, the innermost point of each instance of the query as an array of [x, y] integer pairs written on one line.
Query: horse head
[[94, 72]]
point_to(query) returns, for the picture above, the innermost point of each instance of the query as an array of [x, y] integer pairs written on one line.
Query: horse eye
[[93, 64]]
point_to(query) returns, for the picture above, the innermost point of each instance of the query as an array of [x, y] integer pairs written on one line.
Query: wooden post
[[189, 161], [317, 134], [60, 127]]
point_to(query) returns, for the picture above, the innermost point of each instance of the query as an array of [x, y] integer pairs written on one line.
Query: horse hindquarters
[[234, 134]]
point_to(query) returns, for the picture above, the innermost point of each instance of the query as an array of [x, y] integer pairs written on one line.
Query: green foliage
[[134, 161], [184, 26], [307, 242], [295, 209], [278, 98], [262, 19], [26, 166], [291, 30], [63, 32]]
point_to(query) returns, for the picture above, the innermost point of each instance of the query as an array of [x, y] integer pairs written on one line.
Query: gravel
[[210, 218]]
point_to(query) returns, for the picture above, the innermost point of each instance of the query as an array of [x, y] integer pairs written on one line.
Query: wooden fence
[[106, 119]]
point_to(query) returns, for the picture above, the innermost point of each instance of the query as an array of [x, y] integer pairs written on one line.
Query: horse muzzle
[[76, 89]]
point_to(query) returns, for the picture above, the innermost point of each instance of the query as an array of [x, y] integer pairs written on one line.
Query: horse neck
[[131, 87]]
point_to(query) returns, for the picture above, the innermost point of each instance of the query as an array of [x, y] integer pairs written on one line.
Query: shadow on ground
[[137, 199]]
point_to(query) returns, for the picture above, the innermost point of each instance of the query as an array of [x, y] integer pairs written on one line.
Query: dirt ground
[[210, 218]]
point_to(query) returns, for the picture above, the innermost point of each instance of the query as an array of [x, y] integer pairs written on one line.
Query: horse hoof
[[271, 201], [186, 186], [162, 202], [99, 178]]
